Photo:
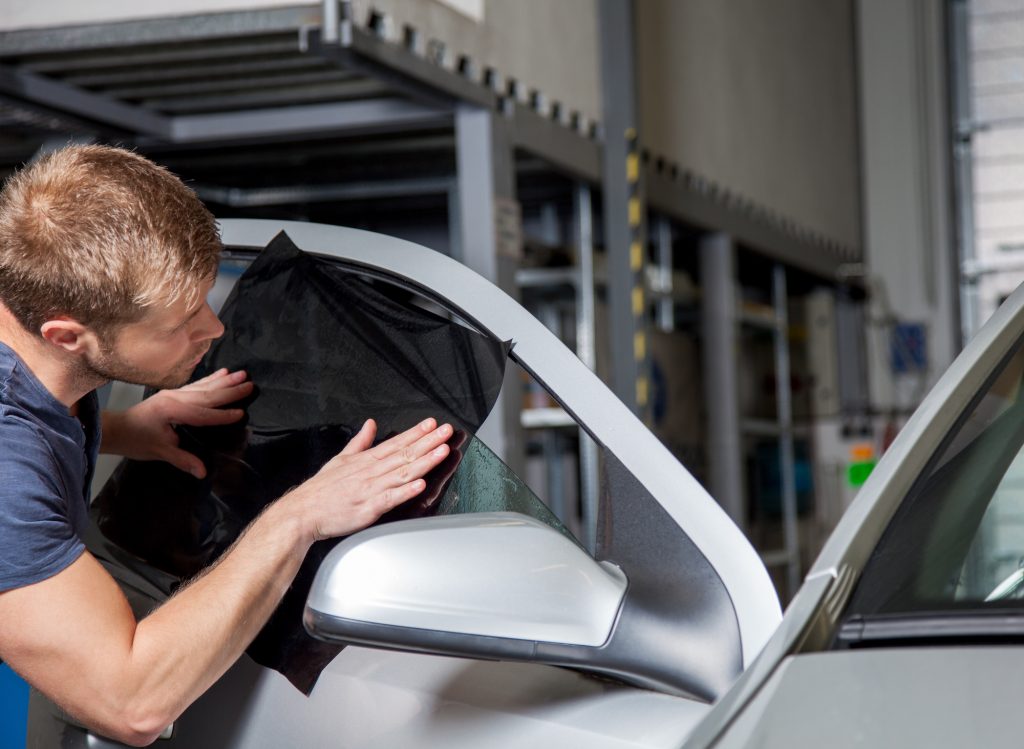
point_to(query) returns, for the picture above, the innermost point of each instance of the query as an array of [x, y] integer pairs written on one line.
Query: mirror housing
[[490, 585]]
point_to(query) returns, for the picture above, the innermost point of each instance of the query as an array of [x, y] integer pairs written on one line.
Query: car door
[[696, 604]]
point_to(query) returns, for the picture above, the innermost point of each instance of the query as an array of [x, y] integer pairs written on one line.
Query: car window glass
[[957, 540]]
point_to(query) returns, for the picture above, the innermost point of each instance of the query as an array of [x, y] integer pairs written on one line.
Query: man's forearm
[[129, 679], [184, 646]]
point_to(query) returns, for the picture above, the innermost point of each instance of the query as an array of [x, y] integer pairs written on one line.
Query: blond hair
[[100, 234]]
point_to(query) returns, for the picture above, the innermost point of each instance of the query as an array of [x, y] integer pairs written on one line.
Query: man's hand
[[362, 482], [146, 431]]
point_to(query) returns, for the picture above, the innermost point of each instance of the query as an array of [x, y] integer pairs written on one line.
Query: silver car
[[908, 630], [495, 628]]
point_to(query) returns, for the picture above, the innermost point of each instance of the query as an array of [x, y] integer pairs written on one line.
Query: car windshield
[[956, 544]]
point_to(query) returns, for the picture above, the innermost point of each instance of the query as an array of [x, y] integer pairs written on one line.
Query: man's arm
[[74, 637]]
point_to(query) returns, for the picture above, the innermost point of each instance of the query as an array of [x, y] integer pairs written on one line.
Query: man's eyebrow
[[185, 322]]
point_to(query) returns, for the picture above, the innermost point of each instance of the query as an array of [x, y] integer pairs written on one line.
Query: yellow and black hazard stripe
[[636, 265]]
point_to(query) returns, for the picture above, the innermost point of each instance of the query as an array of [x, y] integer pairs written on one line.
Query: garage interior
[[769, 227]]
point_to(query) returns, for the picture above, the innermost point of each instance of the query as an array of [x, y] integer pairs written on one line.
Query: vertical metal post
[[583, 218], [329, 33], [851, 356], [586, 349], [489, 240], [666, 305], [721, 388], [455, 223], [963, 134], [784, 407], [337, 18], [551, 440], [623, 206]]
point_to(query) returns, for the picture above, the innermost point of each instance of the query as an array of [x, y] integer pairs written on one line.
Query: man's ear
[[68, 334]]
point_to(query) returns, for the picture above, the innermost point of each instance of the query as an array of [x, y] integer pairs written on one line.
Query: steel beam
[[422, 81], [623, 202], [721, 386], [851, 355], [309, 73], [59, 96], [564, 148], [710, 212], [666, 303], [784, 412], [377, 115], [83, 64], [237, 197], [963, 166], [586, 350], [489, 241], [270, 96]]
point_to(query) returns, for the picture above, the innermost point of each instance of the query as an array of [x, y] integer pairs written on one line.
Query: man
[[105, 263]]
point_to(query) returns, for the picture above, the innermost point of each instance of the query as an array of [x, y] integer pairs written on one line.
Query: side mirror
[[492, 585]]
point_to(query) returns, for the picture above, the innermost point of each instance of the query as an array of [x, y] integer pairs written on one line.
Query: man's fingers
[[411, 453], [184, 461], [213, 375], [416, 469], [198, 416], [403, 440], [211, 398], [363, 439], [399, 494], [221, 378]]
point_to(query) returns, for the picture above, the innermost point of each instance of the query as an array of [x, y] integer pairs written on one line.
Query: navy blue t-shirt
[[47, 459]]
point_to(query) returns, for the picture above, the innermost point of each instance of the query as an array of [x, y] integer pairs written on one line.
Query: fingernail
[[427, 425], [445, 430], [442, 450], [197, 472]]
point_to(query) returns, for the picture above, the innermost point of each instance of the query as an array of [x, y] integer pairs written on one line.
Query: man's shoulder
[[26, 454], [19, 428]]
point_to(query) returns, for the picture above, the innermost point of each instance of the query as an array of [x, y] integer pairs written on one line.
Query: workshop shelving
[[268, 114]]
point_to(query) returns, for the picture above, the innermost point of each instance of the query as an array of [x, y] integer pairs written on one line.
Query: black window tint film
[[327, 350]]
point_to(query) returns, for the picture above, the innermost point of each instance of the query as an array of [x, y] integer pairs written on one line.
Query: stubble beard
[[106, 367]]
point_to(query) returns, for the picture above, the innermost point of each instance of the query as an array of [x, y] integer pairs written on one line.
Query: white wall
[[905, 166], [996, 52], [759, 97], [27, 14]]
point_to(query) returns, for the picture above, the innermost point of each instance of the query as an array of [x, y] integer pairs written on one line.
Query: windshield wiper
[[931, 627]]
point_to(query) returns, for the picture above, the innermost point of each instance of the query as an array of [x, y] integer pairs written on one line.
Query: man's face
[[162, 349]]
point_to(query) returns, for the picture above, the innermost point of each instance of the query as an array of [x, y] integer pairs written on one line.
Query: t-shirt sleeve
[[37, 539]]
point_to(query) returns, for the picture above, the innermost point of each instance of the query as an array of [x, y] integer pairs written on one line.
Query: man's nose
[[209, 326]]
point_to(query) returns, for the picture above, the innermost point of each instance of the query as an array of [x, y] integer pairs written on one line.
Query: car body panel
[[889, 697], [390, 700], [810, 622]]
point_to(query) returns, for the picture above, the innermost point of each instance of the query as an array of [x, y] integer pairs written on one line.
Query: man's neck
[[56, 369]]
